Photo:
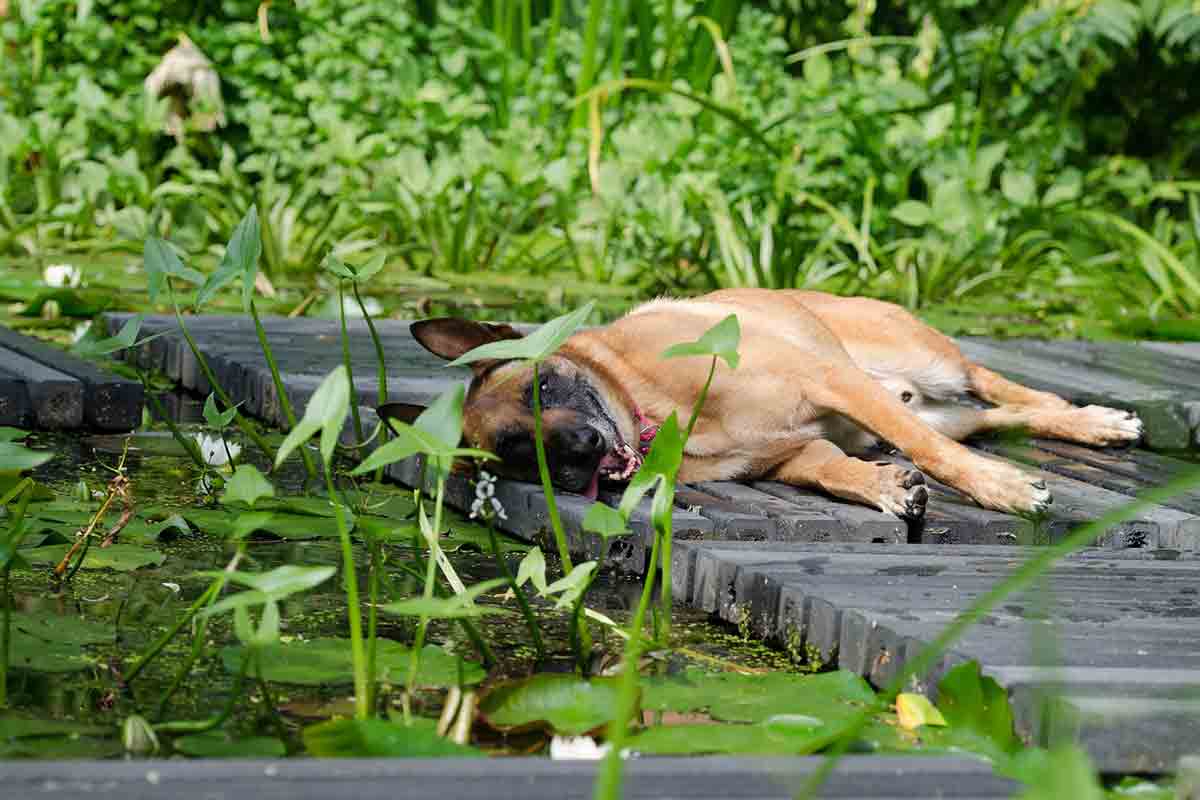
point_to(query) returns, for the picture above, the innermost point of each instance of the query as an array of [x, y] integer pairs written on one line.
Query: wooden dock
[[860, 589]]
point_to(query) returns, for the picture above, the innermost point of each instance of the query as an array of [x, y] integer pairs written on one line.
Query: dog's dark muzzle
[[573, 453]]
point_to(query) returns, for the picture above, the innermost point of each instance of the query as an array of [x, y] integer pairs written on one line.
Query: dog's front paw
[[1103, 426], [902, 492], [1004, 487]]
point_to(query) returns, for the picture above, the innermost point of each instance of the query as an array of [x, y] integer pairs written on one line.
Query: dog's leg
[[850, 392], [1092, 425], [1000, 391], [1048, 415], [888, 487]]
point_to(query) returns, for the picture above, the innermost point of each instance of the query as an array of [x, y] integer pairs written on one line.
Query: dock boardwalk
[[44, 387], [858, 588]]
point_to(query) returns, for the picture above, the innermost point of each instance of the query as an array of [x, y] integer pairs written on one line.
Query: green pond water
[[76, 677]]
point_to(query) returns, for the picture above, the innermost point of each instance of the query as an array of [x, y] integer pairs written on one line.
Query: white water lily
[[61, 276], [80, 331], [373, 306], [215, 451]]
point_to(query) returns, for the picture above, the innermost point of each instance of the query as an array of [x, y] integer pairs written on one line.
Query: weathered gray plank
[[15, 409], [54, 398], [863, 777]]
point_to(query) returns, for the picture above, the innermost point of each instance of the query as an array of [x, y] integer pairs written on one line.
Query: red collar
[[647, 430]]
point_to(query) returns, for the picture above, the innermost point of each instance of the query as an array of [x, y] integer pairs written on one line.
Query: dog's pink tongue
[[593, 487]]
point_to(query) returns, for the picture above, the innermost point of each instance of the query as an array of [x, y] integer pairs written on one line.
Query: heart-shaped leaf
[[217, 419], [329, 662], [247, 485], [721, 340], [326, 412], [605, 521], [160, 262], [972, 701], [537, 346], [457, 606], [914, 710]]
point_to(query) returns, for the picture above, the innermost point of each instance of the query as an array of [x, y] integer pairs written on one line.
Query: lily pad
[[782, 735], [565, 704], [754, 698], [215, 744], [327, 662], [15, 457], [61, 628], [38, 655], [972, 701], [14, 727], [119, 557], [294, 527], [345, 738]]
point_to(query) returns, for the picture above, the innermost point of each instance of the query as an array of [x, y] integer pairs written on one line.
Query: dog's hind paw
[[1103, 426], [903, 493]]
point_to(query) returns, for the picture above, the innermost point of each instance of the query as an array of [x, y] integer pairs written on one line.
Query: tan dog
[[820, 376]]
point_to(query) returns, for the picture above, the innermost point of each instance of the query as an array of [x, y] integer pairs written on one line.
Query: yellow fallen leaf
[[914, 710]]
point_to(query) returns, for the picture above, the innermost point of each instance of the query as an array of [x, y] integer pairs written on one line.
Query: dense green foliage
[[1044, 152]]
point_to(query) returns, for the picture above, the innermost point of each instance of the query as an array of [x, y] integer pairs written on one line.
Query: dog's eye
[[906, 397]]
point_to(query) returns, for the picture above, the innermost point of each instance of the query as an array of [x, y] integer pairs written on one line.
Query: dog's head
[[587, 424]]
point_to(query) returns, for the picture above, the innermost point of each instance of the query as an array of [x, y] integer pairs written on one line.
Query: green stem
[[373, 616], [551, 46], [5, 632], [186, 442], [245, 426], [284, 403], [200, 726], [587, 67], [608, 783], [361, 690], [358, 432], [204, 599], [381, 361], [526, 610], [414, 658]]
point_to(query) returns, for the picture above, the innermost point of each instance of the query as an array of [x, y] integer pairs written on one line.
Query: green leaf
[[217, 744], [326, 412], [160, 262], [914, 710], [605, 520], [61, 628], [661, 464], [818, 71], [755, 698], [571, 586], [8, 434], [442, 420], [951, 205], [558, 702], [247, 485], [240, 259], [1018, 187], [119, 557], [329, 662], [214, 418], [986, 159], [377, 738], [38, 655], [459, 606], [779, 735], [267, 587], [1067, 186], [972, 701], [336, 266], [124, 338], [537, 346], [1065, 771], [720, 340], [533, 568], [17, 458], [13, 727], [913, 212]]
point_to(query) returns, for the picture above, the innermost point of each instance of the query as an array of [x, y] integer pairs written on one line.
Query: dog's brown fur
[[820, 376]]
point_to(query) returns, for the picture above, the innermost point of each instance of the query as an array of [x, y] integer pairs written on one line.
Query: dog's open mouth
[[618, 464]]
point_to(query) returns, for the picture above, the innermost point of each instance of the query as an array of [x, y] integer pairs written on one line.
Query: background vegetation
[[1035, 161]]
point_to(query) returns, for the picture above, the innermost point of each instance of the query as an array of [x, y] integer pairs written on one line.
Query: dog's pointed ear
[[449, 338], [401, 412]]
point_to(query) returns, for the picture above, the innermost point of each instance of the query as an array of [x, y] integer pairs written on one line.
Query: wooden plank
[[861, 777], [110, 403], [1128, 620], [793, 522], [15, 409], [55, 398]]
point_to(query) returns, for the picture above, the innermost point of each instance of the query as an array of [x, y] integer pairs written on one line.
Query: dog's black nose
[[583, 441]]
